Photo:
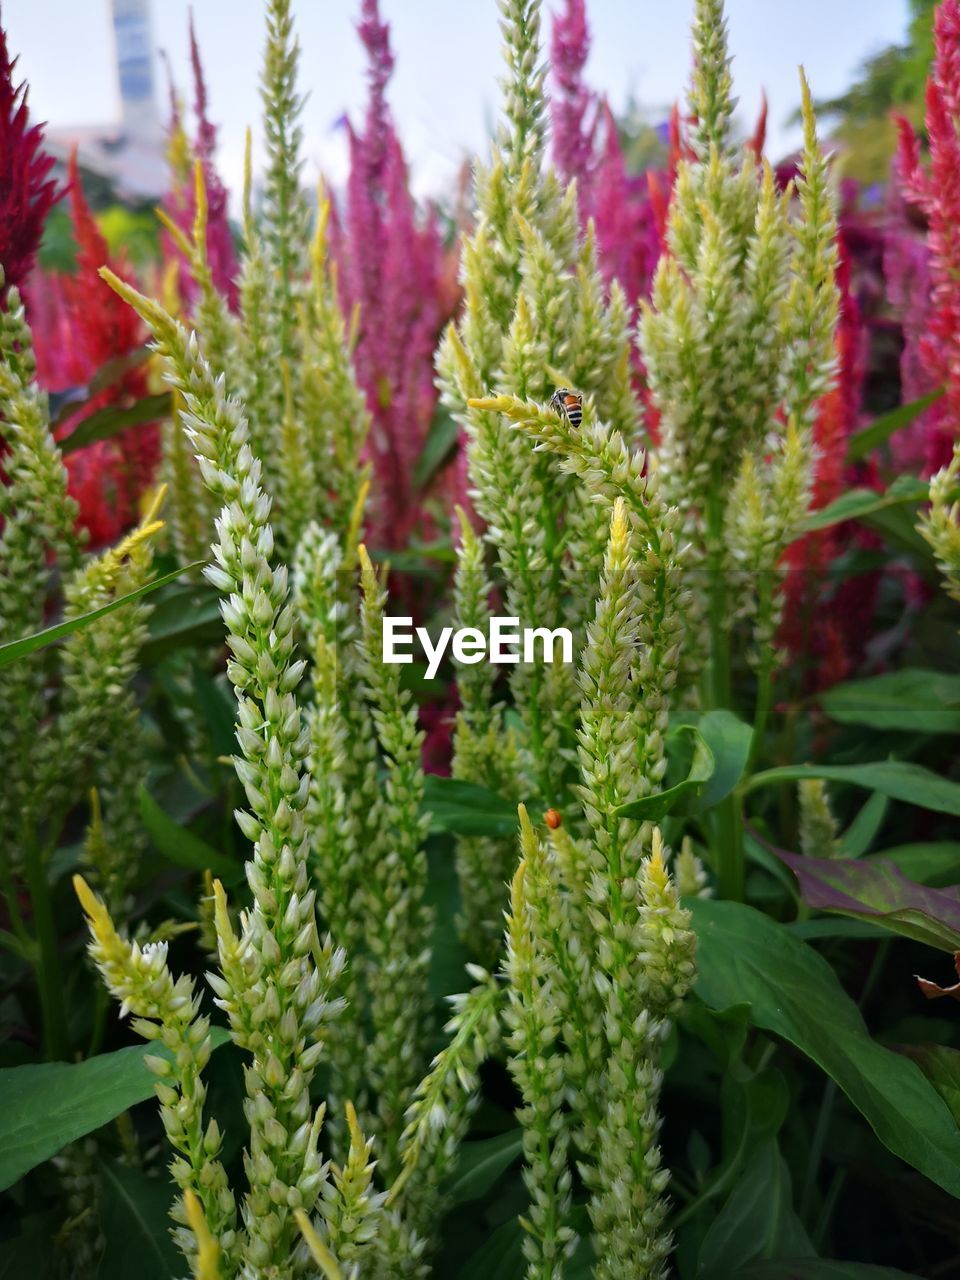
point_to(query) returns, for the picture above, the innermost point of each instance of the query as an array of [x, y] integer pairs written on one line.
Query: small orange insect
[[569, 403], [553, 819]]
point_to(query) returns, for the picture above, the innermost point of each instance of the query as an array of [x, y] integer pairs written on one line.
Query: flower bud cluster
[[738, 341], [286, 353], [484, 752], [439, 1115], [276, 980], [537, 314], [940, 524], [166, 1013], [344, 805], [36, 528], [537, 1066], [400, 947], [819, 835], [99, 710]]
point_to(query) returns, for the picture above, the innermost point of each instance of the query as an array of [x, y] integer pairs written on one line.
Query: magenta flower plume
[[936, 193], [393, 271], [906, 267], [27, 192], [180, 201], [79, 324], [623, 212], [574, 106]]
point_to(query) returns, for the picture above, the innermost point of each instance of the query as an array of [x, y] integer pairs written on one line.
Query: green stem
[[728, 828], [47, 959], [761, 712], [21, 932], [719, 633], [728, 832]]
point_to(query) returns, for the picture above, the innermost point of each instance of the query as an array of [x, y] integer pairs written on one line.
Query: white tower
[[136, 70]]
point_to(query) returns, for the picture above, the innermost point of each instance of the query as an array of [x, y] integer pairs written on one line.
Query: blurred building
[[125, 158]]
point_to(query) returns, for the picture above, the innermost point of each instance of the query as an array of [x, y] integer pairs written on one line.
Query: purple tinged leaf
[[877, 891]]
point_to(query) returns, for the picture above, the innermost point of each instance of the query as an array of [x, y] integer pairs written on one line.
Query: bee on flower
[[569, 404]]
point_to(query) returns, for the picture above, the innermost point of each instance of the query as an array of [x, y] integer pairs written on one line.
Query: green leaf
[[180, 846], [114, 418], [15, 649], [134, 1215], [500, 1256], [437, 448], [936, 863], [757, 1221], [912, 699], [863, 442], [218, 709], [859, 504], [862, 831], [745, 957], [190, 614], [757, 1108], [941, 1066], [897, 779], [466, 809], [657, 805], [50, 1104], [730, 740], [480, 1164], [876, 891]]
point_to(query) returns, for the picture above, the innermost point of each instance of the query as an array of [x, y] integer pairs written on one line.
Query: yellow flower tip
[[518, 898], [355, 524], [323, 214], [143, 306], [468, 535], [492, 404], [91, 904], [153, 502], [318, 1250], [170, 286], [200, 191], [353, 1125], [208, 1250], [657, 872], [175, 232], [619, 527], [366, 564]]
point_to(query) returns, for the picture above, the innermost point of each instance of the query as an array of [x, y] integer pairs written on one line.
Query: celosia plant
[[93, 706], [180, 202], [584, 1111], [27, 190], [79, 326], [587, 148], [937, 194], [393, 274], [739, 345]]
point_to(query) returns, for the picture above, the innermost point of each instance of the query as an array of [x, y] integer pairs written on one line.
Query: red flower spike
[[27, 192]]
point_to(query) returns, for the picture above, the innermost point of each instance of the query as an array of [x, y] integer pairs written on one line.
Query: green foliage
[[746, 959], [456, 1048], [48, 1104]]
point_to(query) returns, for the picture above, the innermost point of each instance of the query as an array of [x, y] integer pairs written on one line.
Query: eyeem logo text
[[505, 642]]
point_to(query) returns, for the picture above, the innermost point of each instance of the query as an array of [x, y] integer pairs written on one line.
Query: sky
[[444, 89]]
